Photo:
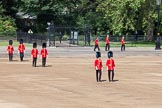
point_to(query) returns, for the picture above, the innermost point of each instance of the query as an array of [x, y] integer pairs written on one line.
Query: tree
[[121, 13], [7, 23]]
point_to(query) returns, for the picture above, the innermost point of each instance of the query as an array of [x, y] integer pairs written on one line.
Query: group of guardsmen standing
[[34, 52], [110, 63], [107, 44], [110, 66]]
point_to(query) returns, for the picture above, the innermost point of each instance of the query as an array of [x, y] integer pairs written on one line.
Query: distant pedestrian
[[107, 47], [96, 44], [34, 54], [110, 64], [98, 66], [10, 50], [60, 37], [44, 54], [21, 49], [122, 44]]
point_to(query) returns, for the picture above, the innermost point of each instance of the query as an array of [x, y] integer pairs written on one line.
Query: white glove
[[107, 68], [96, 68]]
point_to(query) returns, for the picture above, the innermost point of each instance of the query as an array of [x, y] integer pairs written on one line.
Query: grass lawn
[[101, 44], [5, 43]]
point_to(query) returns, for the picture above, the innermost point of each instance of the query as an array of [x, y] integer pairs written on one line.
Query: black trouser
[[123, 47], [60, 39], [21, 56], [109, 73], [98, 75], [10, 55], [107, 47], [43, 61], [96, 46], [34, 62]]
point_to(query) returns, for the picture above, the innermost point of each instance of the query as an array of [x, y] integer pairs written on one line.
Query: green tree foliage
[[126, 16], [121, 14], [7, 24], [103, 16]]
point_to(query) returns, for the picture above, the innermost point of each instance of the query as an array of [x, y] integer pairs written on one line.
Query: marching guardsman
[[98, 66], [107, 47], [21, 49], [110, 64], [10, 50], [34, 54], [96, 44], [122, 44], [44, 54]]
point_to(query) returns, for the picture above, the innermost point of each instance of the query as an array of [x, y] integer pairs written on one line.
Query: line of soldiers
[[107, 44], [110, 65], [34, 52]]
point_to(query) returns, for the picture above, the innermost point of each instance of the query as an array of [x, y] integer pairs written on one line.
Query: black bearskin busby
[[34, 45], [98, 54], [21, 41], [110, 54], [44, 45], [10, 42]]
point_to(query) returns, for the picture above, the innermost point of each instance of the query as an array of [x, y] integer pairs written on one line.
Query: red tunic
[[10, 49], [44, 53], [21, 48], [110, 64], [98, 63], [96, 41], [107, 40], [122, 41], [34, 52]]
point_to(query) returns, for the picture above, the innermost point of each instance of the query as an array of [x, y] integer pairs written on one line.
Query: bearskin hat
[[21, 41], [110, 54], [44, 45], [34, 45], [98, 54], [10, 42]]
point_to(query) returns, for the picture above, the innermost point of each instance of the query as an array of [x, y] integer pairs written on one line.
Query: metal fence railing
[[80, 40]]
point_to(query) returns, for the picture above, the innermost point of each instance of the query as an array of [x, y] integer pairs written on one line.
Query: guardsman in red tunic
[[21, 49], [44, 54], [96, 44], [122, 44], [34, 54], [107, 47], [110, 64], [10, 50], [98, 66]]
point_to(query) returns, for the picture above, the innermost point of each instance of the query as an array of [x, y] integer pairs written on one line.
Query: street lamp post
[[30, 32], [158, 2]]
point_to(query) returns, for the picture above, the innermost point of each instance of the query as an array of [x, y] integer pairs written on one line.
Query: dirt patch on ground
[[70, 83]]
